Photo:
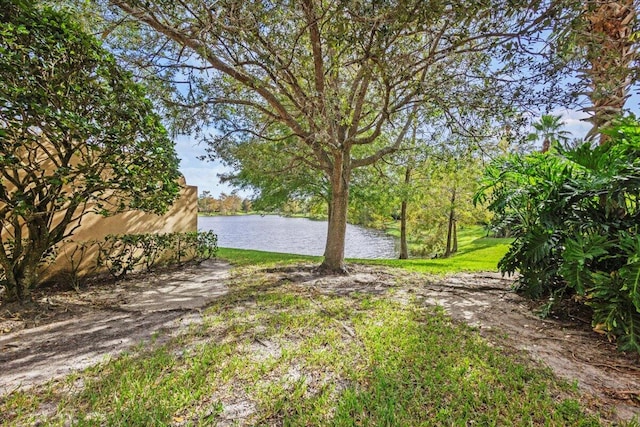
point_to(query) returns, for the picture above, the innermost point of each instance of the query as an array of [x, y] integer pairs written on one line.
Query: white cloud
[[574, 122]]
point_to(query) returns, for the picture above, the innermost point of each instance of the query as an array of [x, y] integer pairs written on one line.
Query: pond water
[[302, 236]]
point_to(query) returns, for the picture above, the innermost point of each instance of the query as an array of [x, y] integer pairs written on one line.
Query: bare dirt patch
[[566, 345], [66, 331], [63, 332]]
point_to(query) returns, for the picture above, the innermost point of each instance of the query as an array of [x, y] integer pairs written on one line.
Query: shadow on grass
[[342, 360]]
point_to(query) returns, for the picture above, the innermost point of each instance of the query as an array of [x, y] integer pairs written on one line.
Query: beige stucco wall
[[39, 155], [181, 217]]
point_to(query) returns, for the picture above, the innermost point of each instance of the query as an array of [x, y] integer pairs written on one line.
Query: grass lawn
[[476, 253], [245, 257], [292, 357], [282, 354]]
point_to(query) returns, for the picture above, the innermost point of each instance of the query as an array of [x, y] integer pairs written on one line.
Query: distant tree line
[[225, 204]]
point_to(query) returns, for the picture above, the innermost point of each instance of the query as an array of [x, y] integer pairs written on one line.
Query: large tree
[[330, 77], [76, 135]]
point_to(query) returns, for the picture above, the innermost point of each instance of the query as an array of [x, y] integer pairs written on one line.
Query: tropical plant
[[549, 129], [76, 135], [575, 216]]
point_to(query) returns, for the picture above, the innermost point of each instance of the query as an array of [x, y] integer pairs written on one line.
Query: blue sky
[[201, 173], [204, 174]]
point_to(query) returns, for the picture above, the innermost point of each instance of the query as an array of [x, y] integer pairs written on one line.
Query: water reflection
[[294, 235]]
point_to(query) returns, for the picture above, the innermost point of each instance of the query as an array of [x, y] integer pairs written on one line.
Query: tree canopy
[[327, 78], [76, 135]]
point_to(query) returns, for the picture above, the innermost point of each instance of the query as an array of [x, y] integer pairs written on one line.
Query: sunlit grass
[[304, 359], [243, 257], [296, 357], [476, 252]]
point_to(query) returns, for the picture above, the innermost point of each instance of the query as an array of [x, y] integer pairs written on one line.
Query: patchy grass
[[277, 352]]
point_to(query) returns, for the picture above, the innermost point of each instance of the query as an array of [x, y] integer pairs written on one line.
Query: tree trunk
[[454, 248], [337, 224], [11, 285], [328, 222], [404, 248], [546, 144], [447, 251], [22, 278], [22, 275], [26, 280], [611, 52], [451, 227]]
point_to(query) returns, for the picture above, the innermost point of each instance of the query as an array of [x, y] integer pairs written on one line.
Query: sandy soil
[[63, 332], [568, 346], [67, 331]]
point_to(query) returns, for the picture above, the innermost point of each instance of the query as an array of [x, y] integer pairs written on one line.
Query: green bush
[[194, 245], [121, 254], [575, 216]]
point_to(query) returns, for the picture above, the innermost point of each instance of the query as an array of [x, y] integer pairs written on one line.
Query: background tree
[[374, 198], [76, 134], [247, 205], [408, 159], [442, 150], [549, 129], [207, 203], [230, 203], [275, 170], [449, 179]]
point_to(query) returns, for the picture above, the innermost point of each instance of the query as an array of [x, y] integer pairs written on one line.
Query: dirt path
[[70, 331], [570, 348], [77, 331]]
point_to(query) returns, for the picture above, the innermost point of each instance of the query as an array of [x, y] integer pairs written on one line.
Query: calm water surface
[[294, 235]]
